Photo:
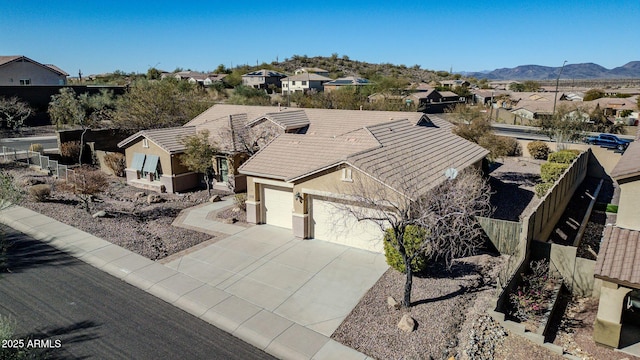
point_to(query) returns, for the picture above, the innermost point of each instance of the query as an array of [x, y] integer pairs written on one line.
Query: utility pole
[[555, 98]]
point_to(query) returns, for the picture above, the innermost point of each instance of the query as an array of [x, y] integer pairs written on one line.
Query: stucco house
[[343, 82], [153, 160], [263, 79], [304, 82], [618, 265], [20, 70], [298, 178]]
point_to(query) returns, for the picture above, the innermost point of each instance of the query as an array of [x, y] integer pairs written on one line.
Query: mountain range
[[630, 70]]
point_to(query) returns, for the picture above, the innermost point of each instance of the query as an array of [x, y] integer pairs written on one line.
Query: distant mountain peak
[[630, 70]]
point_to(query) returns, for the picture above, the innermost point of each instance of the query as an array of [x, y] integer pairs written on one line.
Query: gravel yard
[[130, 221], [512, 182]]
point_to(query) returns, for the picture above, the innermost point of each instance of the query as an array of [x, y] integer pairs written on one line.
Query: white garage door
[[278, 206], [335, 224]]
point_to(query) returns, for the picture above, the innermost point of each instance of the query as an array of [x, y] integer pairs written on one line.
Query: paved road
[[55, 296], [47, 142]]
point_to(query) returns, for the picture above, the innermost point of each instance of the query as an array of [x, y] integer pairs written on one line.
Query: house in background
[[434, 101], [311, 70], [343, 82], [617, 323], [195, 77], [20, 70], [304, 82], [263, 79]]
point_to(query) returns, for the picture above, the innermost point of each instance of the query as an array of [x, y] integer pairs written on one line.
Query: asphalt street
[[53, 296]]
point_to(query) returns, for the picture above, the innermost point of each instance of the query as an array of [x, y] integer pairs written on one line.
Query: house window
[[293, 82], [145, 143], [304, 83], [25, 81], [346, 175]]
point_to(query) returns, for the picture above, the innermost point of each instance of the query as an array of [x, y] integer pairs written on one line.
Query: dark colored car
[[608, 141]]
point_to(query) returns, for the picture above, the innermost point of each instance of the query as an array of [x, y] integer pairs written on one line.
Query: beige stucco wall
[[628, 209], [11, 74], [606, 329]]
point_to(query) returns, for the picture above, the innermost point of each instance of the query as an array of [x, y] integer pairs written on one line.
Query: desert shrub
[[36, 148], [413, 236], [500, 146], [85, 183], [538, 150], [533, 297], [116, 163], [70, 150], [543, 188], [241, 201], [550, 172], [40, 192], [563, 156]]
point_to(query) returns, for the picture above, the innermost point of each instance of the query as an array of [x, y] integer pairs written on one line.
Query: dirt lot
[[130, 221]]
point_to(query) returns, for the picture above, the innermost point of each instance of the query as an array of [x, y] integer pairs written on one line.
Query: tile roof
[[619, 257], [265, 73], [349, 80], [291, 156], [219, 128], [167, 139], [287, 120], [307, 77], [370, 141], [423, 151], [629, 164]]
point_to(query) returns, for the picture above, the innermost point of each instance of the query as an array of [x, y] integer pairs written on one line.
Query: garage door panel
[[336, 224], [278, 206]]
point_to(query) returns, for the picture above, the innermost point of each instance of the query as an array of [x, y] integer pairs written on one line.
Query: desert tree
[[66, 109], [85, 183], [600, 122], [567, 124], [159, 104], [13, 112], [198, 155], [446, 213]]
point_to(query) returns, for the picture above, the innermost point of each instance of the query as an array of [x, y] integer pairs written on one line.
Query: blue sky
[[107, 35]]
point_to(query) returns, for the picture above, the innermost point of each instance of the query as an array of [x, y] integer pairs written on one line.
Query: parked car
[[608, 141]]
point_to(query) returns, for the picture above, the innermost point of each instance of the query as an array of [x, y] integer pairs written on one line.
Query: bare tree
[[249, 139], [85, 183], [447, 214], [198, 155], [13, 112]]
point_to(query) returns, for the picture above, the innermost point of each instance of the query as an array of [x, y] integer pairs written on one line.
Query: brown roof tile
[[619, 257], [169, 139], [629, 163]]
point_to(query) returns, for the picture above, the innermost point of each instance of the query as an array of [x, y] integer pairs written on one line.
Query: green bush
[[563, 156], [40, 192], [538, 150], [36, 148], [542, 189], [550, 172], [412, 238]]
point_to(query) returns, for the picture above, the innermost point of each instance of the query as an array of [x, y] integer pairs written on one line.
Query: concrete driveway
[[310, 282]]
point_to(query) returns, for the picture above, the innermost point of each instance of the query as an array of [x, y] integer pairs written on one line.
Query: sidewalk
[[269, 314]]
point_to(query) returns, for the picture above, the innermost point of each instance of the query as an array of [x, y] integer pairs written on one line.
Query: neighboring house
[[344, 82], [304, 82], [434, 101], [153, 160], [263, 79], [20, 70], [618, 263], [195, 77], [297, 179], [311, 70], [454, 83]]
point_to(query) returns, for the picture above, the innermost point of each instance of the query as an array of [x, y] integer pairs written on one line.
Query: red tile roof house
[[618, 263], [295, 181]]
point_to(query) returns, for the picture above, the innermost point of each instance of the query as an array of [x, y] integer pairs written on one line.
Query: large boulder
[[154, 198]]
